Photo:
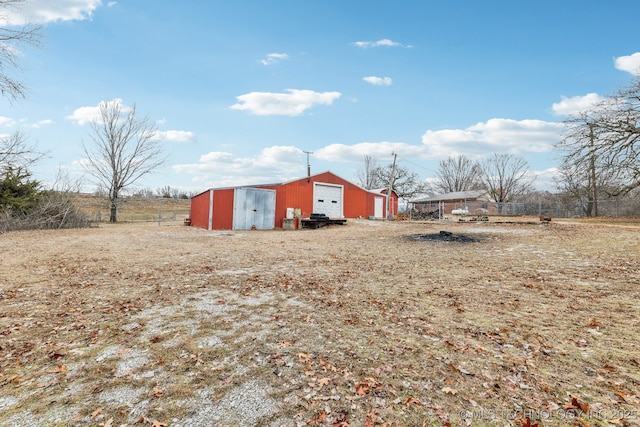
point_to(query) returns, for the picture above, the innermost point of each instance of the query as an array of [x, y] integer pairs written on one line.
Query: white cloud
[[45, 11], [356, 152], [84, 115], [272, 58], [481, 139], [219, 168], [176, 135], [283, 163], [6, 121], [379, 43], [575, 104], [42, 123], [630, 63], [493, 136], [378, 81], [292, 103]]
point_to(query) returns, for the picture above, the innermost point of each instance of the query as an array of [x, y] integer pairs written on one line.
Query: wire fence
[[574, 208], [135, 209]]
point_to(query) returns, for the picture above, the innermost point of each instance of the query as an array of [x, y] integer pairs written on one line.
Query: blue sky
[[240, 89]]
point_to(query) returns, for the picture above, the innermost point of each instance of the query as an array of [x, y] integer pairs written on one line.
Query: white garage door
[[327, 199]]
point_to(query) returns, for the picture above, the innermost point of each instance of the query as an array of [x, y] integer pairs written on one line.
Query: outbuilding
[[467, 202], [266, 206]]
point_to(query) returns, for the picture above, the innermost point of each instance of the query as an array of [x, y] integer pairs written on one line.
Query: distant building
[[472, 202]]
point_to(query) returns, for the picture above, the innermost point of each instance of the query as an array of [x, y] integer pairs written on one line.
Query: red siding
[[200, 210], [223, 209], [357, 202]]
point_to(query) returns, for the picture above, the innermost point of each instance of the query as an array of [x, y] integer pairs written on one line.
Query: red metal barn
[[265, 206]]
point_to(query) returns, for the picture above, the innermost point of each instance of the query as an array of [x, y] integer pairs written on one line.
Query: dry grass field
[[134, 209], [366, 324]]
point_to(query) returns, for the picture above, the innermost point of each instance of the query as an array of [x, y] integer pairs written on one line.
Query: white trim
[[210, 224]]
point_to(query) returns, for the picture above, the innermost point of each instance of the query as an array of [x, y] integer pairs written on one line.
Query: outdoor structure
[[472, 202], [268, 206]]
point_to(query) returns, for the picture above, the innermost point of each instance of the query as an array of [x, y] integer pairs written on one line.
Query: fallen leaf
[[362, 389], [449, 390], [304, 357], [322, 417], [371, 419], [158, 391], [95, 413], [413, 400], [324, 381], [576, 404], [582, 422], [59, 369]]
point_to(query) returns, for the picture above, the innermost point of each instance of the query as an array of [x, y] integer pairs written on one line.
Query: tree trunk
[[114, 210]]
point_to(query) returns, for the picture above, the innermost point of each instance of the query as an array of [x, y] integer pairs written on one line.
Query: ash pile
[[444, 236]]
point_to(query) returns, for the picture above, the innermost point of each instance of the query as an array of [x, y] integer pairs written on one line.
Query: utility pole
[[391, 179], [594, 185], [308, 165]]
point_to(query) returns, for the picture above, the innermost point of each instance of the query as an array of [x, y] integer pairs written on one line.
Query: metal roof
[[456, 195]]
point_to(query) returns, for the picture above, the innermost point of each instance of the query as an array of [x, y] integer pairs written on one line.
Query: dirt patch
[[356, 325]]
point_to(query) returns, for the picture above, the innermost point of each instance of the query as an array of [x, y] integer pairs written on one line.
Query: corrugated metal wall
[[200, 210], [223, 209]]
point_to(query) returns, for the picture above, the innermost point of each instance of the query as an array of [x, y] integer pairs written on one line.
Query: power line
[[417, 165]]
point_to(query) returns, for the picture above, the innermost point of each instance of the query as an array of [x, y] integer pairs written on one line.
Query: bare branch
[[16, 152], [606, 141], [123, 149], [506, 177], [457, 174], [11, 39]]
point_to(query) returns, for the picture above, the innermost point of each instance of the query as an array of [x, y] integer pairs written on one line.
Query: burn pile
[[443, 236]]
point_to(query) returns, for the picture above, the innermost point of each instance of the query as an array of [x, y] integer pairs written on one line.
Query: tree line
[[600, 155], [504, 176]]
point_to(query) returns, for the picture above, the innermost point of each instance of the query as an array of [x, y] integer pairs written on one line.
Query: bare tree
[[605, 140], [506, 177], [124, 148], [587, 183], [17, 153], [406, 183], [368, 177], [11, 39], [457, 173]]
